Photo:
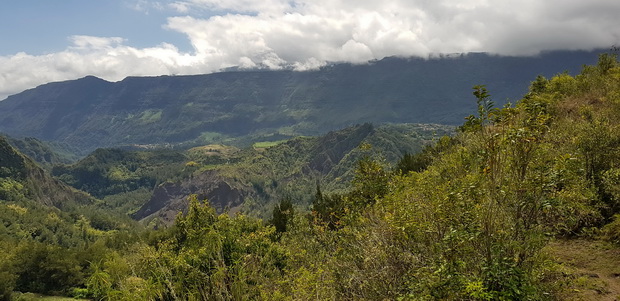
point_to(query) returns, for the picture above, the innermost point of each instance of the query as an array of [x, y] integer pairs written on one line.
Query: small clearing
[[219, 150]]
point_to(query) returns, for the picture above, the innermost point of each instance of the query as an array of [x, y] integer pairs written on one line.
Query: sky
[[43, 40]]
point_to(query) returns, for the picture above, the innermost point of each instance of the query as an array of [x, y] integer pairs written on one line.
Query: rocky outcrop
[[168, 199]]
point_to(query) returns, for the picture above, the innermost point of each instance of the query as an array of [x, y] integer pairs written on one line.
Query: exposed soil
[[591, 269]]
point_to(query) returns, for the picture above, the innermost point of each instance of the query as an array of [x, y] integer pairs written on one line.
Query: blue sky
[[43, 26], [47, 40]]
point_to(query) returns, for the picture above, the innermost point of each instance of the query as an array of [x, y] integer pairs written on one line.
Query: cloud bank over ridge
[[308, 34]]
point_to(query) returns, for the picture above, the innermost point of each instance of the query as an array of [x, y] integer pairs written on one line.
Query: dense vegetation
[[46, 229], [242, 107], [45, 154], [467, 218], [130, 181]]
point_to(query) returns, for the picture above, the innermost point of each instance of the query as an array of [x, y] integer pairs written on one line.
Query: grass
[[212, 151], [267, 144], [37, 297]]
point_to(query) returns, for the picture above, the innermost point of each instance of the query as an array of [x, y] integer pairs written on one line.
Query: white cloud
[[145, 6], [179, 7], [307, 34], [88, 43], [107, 58], [241, 6]]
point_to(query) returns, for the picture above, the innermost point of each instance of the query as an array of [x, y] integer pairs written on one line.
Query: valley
[[285, 186]]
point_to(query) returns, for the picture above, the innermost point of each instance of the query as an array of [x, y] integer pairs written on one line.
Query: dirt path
[[592, 269]]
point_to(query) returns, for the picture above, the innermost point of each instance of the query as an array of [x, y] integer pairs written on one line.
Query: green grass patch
[[37, 297], [266, 144], [212, 150]]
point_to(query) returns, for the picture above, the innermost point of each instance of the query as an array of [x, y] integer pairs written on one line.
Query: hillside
[[44, 153], [240, 107], [22, 178], [46, 227], [157, 183], [489, 213]]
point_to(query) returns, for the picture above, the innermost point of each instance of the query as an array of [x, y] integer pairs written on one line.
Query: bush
[[80, 293]]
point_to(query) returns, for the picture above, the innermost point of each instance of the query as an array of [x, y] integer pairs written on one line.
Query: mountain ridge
[[21, 177], [149, 184], [223, 107]]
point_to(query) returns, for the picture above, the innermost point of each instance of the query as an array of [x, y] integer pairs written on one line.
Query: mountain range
[[242, 107], [512, 206]]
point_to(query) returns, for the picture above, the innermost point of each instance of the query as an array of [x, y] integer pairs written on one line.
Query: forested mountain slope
[[469, 221], [468, 218], [22, 178], [44, 153], [42, 224], [157, 183], [89, 113]]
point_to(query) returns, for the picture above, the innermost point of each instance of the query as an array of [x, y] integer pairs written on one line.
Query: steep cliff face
[[224, 194], [227, 193], [255, 178]]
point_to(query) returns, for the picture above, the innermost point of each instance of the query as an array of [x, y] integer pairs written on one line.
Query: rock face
[[168, 199], [289, 169], [228, 194]]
